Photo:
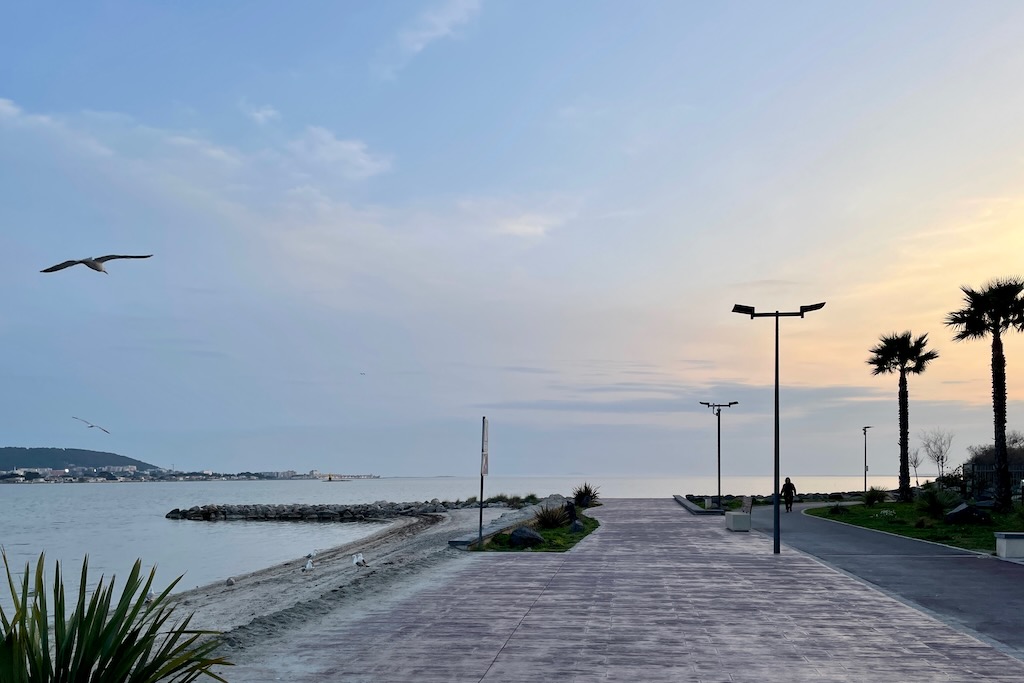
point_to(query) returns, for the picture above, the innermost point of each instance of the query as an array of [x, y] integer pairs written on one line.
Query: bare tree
[[914, 460], [936, 443]]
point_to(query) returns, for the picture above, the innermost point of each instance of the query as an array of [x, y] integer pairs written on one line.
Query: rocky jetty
[[382, 509]]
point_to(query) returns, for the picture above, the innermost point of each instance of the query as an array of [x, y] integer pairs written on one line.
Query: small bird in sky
[[94, 263], [91, 425]]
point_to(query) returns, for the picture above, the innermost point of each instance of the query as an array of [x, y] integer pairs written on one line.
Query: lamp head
[[745, 310], [704, 403], [812, 307], [733, 403]]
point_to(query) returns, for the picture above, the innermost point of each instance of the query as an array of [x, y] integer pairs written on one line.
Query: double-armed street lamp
[[717, 409], [749, 310], [866, 458]]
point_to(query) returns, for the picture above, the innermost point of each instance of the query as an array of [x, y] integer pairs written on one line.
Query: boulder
[[967, 514], [576, 527], [524, 537]]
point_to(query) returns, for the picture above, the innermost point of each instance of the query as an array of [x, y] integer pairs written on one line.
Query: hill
[[59, 458]]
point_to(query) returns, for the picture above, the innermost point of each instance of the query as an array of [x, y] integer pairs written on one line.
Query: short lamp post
[[866, 458], [749, 310], [717, 409]]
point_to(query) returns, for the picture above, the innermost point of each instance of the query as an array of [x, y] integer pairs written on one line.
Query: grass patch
[[555, 540], [905, 519]]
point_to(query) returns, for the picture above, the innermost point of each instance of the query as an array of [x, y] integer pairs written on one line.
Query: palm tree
[[993, 310], [903, 354]]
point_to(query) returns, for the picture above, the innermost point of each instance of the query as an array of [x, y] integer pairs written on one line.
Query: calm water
[[117, 523]]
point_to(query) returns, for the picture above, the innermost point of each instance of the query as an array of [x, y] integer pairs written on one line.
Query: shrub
[[838, 509], [933, 501], [550, 518], [924, 523], [584, 496], [874, 495], [530, 499], [101, 641]]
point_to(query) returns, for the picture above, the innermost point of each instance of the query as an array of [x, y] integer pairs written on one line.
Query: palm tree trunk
[[904, 492], [1004, 499]]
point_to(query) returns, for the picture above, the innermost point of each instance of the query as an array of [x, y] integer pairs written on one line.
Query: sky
[[374, 223]]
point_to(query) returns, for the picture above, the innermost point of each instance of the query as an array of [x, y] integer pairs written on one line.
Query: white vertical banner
[[483, 450]]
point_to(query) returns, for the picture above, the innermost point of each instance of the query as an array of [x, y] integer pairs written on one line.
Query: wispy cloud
[[261, 114], [519, 218], [436, 23], [320, 146]]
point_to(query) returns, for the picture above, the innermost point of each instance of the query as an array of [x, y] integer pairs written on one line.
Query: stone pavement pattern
[[656, 594]]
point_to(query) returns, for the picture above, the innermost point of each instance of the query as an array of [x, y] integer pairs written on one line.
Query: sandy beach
[[276, 601]]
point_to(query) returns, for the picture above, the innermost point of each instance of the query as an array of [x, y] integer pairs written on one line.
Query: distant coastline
[[129, 473]]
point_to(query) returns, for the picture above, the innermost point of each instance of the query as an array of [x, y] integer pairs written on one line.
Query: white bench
[[740, 520], [1010, 543]]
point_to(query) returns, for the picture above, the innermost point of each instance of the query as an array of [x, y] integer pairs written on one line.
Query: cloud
[[321, 147], [524, 218], [8, 108], [261, 114], [436, 23]]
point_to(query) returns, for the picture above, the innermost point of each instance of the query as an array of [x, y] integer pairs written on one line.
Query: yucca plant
[[874, 495], [550, 517], [584, 496], [101, 641]]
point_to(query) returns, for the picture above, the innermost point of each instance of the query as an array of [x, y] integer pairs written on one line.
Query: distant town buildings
[[73, 474]]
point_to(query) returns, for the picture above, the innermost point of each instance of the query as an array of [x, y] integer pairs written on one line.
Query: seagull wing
[[111, 257], [60, 266], [101, 429], [81, 420]]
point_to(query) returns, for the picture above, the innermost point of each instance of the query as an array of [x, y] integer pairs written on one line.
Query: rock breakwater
[[335, 512]]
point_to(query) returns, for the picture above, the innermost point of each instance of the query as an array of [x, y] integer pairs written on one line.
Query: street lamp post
[[717, 409], [749, 310], [866, 458]]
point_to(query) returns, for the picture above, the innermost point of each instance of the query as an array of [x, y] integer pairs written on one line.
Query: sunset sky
[[538, 212]]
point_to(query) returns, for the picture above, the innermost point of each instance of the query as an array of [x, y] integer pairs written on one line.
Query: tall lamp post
[[717, 409], [749, 310], [866, 458]]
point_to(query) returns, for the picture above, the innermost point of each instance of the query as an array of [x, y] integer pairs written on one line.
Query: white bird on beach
[[309, 566], [94, 263], [312, 554], [358, 560], [150, 596], [91, 425]]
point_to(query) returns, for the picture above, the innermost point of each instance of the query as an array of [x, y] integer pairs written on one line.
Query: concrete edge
[[694, 509]]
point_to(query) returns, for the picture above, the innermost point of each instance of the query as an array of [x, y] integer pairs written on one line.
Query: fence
[[982, 478]]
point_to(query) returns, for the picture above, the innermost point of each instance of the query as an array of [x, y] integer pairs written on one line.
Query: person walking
[[788, 491]]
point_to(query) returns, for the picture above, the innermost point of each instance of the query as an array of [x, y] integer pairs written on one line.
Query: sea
[[116, 523]]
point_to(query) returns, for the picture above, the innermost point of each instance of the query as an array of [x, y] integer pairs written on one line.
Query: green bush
[[550, 518], [933, 501], [875, 495], [584, 496], [101, 641], [838, 509]]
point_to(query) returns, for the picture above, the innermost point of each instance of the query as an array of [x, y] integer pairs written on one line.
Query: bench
[[740, 520], [1010, 543]]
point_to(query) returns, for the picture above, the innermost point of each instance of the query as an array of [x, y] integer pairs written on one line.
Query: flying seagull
[[91, 425], [94, 263]]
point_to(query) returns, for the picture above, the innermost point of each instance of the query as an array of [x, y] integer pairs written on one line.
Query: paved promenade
[[655, 595], [976, 593]]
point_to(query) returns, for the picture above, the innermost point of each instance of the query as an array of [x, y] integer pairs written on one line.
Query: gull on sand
[[309, 566], [94, 263], [91, 425], [358, 560]]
